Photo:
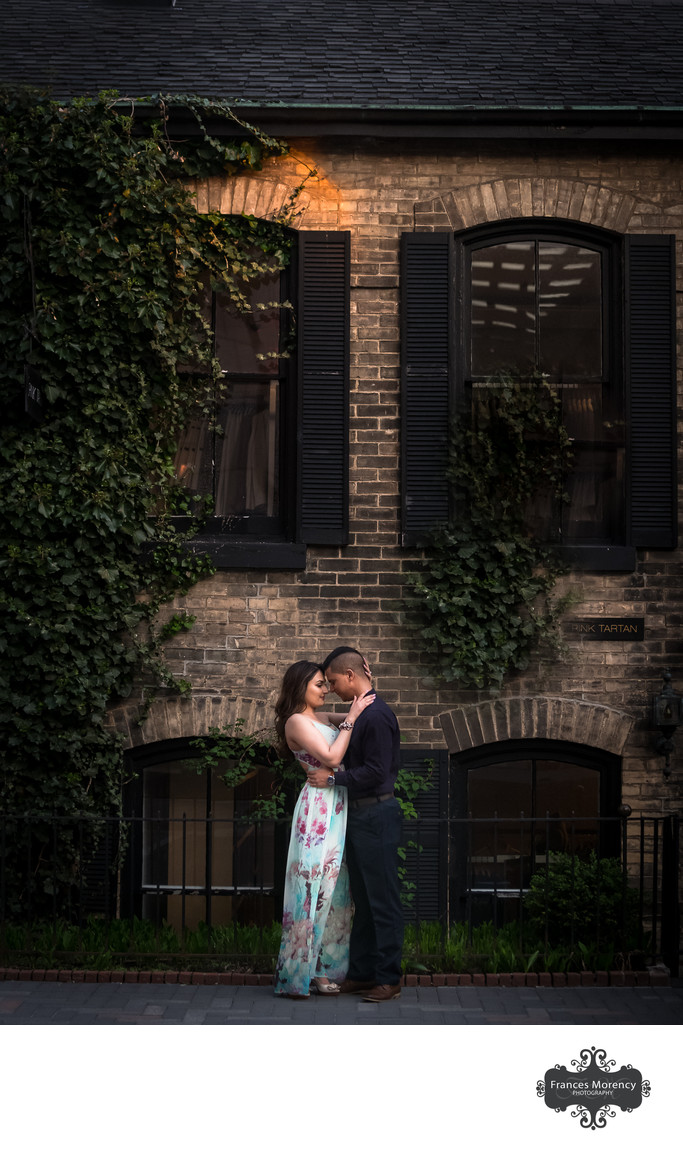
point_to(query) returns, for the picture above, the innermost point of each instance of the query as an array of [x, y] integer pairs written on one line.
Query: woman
[[316, 918]]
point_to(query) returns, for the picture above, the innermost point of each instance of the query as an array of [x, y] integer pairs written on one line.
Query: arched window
[[193, 855], [536, 303], [593, 310], [513, 803]]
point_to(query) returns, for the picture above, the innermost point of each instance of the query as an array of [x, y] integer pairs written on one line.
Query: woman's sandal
[[325, 986]]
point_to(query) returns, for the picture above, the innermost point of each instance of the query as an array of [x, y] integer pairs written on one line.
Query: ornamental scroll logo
[[593, 1088]]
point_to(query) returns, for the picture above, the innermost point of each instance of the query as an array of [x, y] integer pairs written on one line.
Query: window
[[236, 456], [524, 800], [592, 310], [274, 457], [538, 305], [191, 856]]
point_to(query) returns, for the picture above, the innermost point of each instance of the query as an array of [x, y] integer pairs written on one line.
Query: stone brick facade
[[252, 624]]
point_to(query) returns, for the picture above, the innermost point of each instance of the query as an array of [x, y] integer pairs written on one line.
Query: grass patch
[[429, 947]]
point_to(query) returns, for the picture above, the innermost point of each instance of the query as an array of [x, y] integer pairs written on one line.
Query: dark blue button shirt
[[372, 759]]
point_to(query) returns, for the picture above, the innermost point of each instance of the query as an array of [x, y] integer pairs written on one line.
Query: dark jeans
[[372, 838]]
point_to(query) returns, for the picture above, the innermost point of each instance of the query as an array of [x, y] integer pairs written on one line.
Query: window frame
[[314, 447], [431, 311], [282, 529], [607, 764], [221, 537], [133, 889], [616, 552]]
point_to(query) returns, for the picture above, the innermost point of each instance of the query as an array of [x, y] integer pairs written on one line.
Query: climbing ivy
[[234, 755], [481, 597], [104, 260]]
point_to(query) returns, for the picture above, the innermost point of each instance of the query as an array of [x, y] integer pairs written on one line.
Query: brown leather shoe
[[383, 993], [351, 986]]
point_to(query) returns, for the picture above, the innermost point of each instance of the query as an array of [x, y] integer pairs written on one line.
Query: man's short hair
[[344, 659]]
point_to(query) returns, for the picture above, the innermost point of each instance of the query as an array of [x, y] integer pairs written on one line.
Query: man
[[372, 834]]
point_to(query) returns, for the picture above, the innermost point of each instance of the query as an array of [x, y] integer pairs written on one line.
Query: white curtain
[[242, 471]]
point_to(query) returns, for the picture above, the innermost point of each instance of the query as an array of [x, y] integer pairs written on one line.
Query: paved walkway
[[63, 1003]]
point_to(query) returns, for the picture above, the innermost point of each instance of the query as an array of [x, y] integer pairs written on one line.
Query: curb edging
[[621, 978]]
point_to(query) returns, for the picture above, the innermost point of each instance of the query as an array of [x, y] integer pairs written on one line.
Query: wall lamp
[[667, 715]]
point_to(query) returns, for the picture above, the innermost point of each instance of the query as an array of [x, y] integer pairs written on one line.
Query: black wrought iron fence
[[127, 886], [594, 886]]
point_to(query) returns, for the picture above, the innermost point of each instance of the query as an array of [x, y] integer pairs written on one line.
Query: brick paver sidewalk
[[78, 1003]]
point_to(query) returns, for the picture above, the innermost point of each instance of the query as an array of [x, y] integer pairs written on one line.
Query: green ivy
[[409, 785], [234, 754], [104, 259], [481, 596]]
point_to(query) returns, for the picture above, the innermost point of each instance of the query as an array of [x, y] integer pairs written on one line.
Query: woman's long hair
[[292, 698]]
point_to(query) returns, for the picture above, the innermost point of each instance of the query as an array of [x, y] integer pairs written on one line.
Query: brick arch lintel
[[178, 718], [536, 717], [258, 196], [506, 198]]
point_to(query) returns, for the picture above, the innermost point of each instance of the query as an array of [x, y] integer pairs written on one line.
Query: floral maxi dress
[[316, 919]]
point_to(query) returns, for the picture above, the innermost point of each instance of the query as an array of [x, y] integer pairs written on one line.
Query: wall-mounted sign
[[625, 629]]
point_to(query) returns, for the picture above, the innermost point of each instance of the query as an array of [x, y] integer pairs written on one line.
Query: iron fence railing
[[121, 883], [595, 880]]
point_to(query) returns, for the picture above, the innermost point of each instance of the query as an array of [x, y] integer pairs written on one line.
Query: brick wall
[[251, 625]]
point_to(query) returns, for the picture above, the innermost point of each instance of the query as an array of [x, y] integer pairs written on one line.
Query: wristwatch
[[330, 780]]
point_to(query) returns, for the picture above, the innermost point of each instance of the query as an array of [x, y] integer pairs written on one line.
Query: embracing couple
[[345, 832]]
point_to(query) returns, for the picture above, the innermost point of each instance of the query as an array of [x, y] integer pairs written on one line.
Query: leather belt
[[366, 802]]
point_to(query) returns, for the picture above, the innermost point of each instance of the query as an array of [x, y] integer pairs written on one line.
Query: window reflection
[[562, 799], [243, 340], [569, 309], [504, 320], [537, 305]]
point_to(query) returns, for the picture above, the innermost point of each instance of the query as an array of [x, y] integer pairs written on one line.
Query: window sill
[[238, 553], [597, 557], [605, 557]]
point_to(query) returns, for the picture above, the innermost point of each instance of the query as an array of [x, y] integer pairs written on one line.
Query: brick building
[[461, 153]]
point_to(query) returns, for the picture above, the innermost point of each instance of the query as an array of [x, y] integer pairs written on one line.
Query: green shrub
[[576, 899]]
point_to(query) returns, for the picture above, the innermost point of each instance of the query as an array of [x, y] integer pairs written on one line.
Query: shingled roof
[[359, 55]]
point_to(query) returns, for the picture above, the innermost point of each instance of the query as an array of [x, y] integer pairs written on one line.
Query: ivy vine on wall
[[235, 755], [103, 258], [481, 597]]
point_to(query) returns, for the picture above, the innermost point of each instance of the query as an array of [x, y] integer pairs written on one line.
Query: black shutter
[[427, 337], [425, 839], [651, 362], [99, 848], [323, 386]]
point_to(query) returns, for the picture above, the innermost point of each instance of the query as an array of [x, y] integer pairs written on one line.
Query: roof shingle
[[362, 54]]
